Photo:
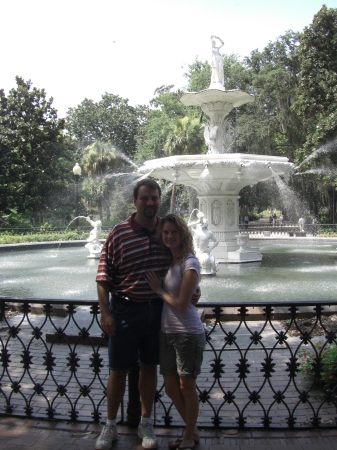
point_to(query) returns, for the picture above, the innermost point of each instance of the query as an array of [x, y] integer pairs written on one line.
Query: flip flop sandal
[[173, 445], [187, 448]]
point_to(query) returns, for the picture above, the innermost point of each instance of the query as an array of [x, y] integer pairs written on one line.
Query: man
[[133, 319], [314, 226]]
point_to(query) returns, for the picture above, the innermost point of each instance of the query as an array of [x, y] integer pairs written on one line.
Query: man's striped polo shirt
[[129, 251]]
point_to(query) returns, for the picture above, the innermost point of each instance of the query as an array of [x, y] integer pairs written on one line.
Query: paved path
[[17, 434]]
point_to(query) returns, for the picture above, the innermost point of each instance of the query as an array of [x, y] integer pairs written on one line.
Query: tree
[[317, 92], [269, 126], [165, 109], [111, 119], [198, 75], [316, 107], [34, 150], [98, 161], [184, 137]]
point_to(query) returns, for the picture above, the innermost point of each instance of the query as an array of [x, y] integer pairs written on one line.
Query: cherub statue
[[94, 246], [202, 237]]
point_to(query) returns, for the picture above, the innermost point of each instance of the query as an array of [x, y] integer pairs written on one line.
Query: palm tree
[[184, 137], [98, 160]]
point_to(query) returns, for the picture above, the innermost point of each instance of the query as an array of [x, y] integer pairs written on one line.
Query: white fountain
[[217, 176]]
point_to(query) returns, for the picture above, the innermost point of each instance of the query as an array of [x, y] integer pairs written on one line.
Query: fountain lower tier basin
[[218, 180], [298, 271]]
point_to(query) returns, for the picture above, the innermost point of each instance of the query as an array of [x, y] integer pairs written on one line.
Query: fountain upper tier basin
[[225, 173], [217, 98]]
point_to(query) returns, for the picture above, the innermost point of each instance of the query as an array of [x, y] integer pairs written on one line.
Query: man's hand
[[108, 323], [196, 297]]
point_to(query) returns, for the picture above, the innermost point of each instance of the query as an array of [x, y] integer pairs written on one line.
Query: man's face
[[147, 203]]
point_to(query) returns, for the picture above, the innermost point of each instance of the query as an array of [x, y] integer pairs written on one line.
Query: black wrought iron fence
[[288, 228], [265, 366]]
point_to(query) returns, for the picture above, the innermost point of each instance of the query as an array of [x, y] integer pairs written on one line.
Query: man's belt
[[122, 299]]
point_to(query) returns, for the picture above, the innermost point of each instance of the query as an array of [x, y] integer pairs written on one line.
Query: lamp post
[[77, 173], [333, 184]]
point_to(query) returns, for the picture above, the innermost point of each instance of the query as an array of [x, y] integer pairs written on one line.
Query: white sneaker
[[145, 432], [107, 437]]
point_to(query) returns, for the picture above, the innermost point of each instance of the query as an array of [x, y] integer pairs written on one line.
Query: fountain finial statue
[[202, 237], [217, 80]]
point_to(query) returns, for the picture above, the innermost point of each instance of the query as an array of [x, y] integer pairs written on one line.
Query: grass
[[73, 235], [320, 366]]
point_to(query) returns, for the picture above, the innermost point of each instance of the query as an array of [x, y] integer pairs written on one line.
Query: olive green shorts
[[181, 354]]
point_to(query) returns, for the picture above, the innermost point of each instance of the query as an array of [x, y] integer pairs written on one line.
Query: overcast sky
[[78, 49]]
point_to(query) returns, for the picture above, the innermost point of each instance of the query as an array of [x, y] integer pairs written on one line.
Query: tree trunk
[[108, 214], [100, 209], [173, 196]]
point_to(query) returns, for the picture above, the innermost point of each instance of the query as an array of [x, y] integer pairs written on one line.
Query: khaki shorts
[[181, 354]]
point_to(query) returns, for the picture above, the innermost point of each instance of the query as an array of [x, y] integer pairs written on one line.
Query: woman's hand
[[154, 281]]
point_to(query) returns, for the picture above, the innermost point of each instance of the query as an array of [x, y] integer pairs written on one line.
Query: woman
[[182, 336]]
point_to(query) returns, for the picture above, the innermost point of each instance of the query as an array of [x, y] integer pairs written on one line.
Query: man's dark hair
[[151, 184]]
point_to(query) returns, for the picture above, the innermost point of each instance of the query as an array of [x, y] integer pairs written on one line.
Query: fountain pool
[[302, 270]]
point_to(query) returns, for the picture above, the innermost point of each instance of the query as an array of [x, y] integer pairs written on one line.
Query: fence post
[[2, 311], [133, 412]]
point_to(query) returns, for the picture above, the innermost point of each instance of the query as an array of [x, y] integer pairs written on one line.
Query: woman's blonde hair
[[186, 239]]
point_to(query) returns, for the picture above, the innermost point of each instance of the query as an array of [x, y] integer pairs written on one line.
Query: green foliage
[[111, 119], [198, 75], [269, 126], [99, 158], [167, 107], [35, 156], [184, 137], [161, 122], [317, 92], [73, 235], [46, 227], [327, 378], [101, 161]]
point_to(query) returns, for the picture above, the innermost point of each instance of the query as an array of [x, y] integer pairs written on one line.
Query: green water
[[287, 272]]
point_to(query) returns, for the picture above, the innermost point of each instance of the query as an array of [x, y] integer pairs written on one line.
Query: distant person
[[301, 224], [281, 220], [314, 226], [270, 219], [246, 220]]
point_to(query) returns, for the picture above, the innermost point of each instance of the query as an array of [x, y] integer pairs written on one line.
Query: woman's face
[[170, 236]]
